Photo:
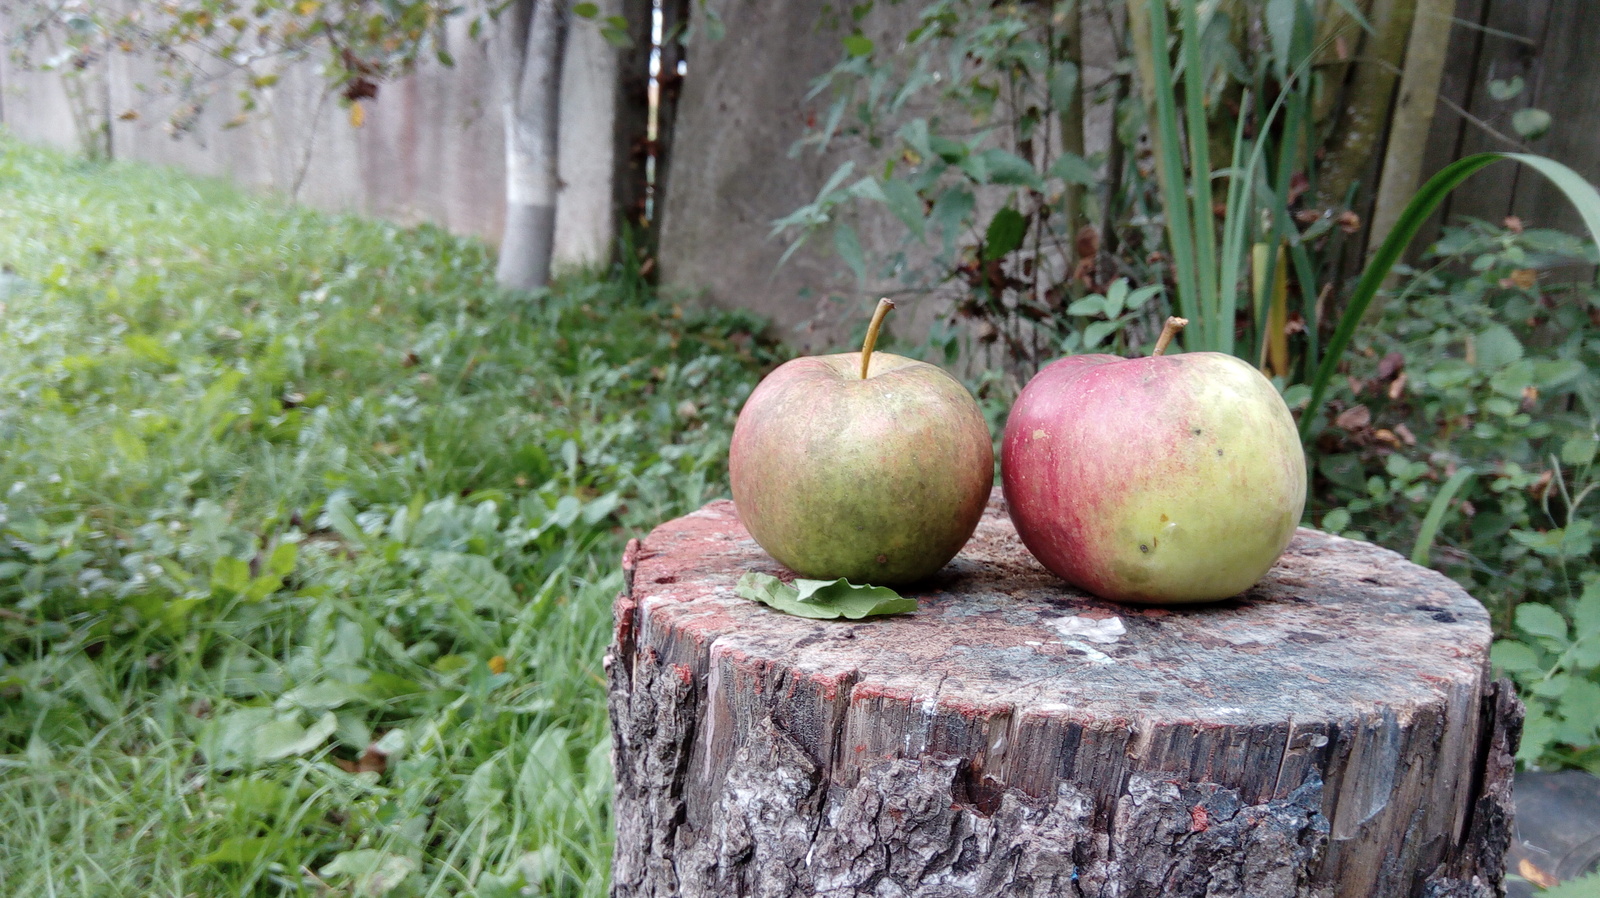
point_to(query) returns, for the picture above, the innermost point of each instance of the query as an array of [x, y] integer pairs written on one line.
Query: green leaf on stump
[[823, 599], [1582, 887]]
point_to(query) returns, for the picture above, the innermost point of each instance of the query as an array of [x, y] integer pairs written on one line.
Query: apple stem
[[1168, 331], [884, 305]]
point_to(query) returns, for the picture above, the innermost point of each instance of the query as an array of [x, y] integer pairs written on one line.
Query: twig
[[1484, 126]]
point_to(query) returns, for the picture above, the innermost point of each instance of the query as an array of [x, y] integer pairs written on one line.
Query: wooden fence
[[1552, 46]]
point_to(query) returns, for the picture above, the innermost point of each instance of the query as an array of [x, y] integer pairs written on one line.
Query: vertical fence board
[[1508, 48], [1456, 87], [1568, 87]]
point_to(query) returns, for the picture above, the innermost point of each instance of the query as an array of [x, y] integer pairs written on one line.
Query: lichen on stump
[[1333, 732]]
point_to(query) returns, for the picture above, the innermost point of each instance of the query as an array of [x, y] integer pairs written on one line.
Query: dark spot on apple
[[883, 559], [1219, 453], [1197, 431], [1144, 548]]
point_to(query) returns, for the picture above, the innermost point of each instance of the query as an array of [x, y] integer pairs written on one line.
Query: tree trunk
[[530, 37], [1331, 733], [1071, 119], [1364, 120], [669, 85], [1409, 124], [630, 185]]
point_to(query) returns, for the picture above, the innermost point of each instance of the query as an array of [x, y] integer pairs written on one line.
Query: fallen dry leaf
[[1528, 871], [1357, 417], [373, 760], [1524, 278]]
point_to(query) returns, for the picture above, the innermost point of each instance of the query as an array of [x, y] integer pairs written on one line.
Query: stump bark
[[1333, 732]]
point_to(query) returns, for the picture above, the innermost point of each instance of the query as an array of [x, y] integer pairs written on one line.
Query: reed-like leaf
[[1435, 517], [1169, 159], [1215, 316]]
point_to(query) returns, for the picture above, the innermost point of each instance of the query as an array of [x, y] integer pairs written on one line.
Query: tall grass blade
[[1235, 230], [1169, 161], [1435, 516], [1215, 313], [1271, 271]]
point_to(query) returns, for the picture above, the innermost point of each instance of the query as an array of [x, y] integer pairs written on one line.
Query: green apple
[[1166, 479], [861, 465]]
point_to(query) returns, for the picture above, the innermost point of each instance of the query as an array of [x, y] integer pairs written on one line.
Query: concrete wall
[[35, 105], [743, 107], [431, 147]]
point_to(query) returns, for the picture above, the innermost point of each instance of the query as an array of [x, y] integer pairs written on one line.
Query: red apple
[[1163, 479], [877, 472]]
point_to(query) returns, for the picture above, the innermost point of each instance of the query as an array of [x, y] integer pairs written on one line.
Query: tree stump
[[1332, 732]]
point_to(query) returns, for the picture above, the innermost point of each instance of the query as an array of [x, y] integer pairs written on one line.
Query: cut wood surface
[[1331, 732]]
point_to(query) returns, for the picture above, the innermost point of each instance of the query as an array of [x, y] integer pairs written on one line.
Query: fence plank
[[1568, 87], [1509, 48], [1455, 95]]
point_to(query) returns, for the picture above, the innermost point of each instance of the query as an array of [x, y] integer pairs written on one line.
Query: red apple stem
[[1168, 331], [884, 305]]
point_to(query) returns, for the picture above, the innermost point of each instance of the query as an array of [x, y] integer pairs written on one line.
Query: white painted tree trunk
[[530, 44]]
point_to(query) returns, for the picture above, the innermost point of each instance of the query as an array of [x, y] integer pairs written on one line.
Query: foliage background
[[308, 533], [308, 540], [1462, 422]]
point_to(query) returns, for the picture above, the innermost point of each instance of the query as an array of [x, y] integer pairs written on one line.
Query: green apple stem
[[884, 305], [1168, 331]]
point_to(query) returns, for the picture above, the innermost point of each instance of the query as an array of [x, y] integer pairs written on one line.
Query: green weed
[[308, 537]]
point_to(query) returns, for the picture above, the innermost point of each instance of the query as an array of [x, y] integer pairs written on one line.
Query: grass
[[308, 537]]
